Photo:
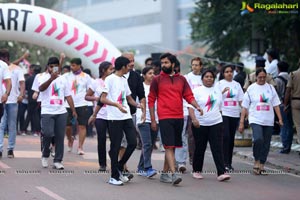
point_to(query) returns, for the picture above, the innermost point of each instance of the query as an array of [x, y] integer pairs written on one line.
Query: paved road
[[23, 178]]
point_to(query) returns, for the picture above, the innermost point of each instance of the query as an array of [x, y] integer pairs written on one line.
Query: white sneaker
[[223, 177], [113, 181], [123, 178], [80, 152], [58, 165], [45, 162]]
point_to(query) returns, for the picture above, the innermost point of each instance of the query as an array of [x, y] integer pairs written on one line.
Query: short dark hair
[[240, 65], [146, 70], [67, 67], [170, 57], [53, 60], [87, 71], [283, 66], [208, 71], [4, 55], [148, 59], [103, 67], [37, 69], [76, 61], [273, 53], [260, 70], [121, 62]]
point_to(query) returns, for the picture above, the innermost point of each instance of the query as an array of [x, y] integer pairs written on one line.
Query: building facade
[[143, 26]]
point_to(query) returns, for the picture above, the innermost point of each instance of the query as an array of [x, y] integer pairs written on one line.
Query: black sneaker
[[0, 154], [10, 154], [285, 151]]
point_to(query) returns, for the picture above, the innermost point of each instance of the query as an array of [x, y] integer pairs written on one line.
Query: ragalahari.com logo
[[270, 8], [246, 8]]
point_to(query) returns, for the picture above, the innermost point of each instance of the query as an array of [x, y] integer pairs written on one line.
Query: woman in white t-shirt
[[100, 112], [232, 94], [207, 127], [148, 136], [259, 101]]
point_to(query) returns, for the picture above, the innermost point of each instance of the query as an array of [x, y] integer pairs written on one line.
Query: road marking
[[269, 168], [4, 166], [49, 193]]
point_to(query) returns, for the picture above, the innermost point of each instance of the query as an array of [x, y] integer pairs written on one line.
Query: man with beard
[[169, 89]]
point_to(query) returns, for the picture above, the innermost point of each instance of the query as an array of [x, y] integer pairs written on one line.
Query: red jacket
[[169, 91]]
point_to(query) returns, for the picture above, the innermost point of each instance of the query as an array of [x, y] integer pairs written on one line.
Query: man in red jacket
[[169, 90]]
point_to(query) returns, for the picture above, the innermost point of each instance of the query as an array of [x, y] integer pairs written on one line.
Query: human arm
[[8, 89], [46, 84], [24, 56], [106, 101], [71, 104], [192, 115]]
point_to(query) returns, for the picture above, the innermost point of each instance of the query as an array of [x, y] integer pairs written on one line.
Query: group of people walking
[[169, 103]]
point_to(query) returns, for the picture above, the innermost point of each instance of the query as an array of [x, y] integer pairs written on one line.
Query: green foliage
[[221, 26]]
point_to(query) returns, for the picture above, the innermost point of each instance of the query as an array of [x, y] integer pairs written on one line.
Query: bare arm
[[278, 113], [192, 115], [106, 101], [24, 56], [22, 91], [71, 104], [8, 89], [45, 85], [90, 95], [242, 120]]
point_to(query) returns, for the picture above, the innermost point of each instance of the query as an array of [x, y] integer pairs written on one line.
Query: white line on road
[[50, 193], [3, 165], [268, 168]]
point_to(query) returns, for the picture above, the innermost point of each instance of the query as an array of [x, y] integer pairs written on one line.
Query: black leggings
[[213, 135]]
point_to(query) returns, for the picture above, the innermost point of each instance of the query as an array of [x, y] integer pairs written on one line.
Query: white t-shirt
[[272, 68], [117, 90], [17, 75], [193, 80], [79, 84], [36, 83], [52, 99], [4, 74], [148, 118], [97, 87], [260, 100], [231, 98], [210, 100]]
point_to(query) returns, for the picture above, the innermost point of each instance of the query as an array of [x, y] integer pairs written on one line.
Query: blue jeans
[[261, 141], [9, 119], [148, 137], [286, 131], [181, 153]]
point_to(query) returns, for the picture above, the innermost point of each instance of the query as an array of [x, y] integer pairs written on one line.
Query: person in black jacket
[[241, 75]]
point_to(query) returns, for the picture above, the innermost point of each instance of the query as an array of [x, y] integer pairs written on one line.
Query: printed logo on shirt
[[211, 101], [263, 98], [121, 98], [263, 103], [75, 87], [230, 94], [55, 90]]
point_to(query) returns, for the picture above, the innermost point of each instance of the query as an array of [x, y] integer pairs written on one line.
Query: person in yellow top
[[251, 78]]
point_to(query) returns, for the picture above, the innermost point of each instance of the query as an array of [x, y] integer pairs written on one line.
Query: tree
[[221, 26]]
